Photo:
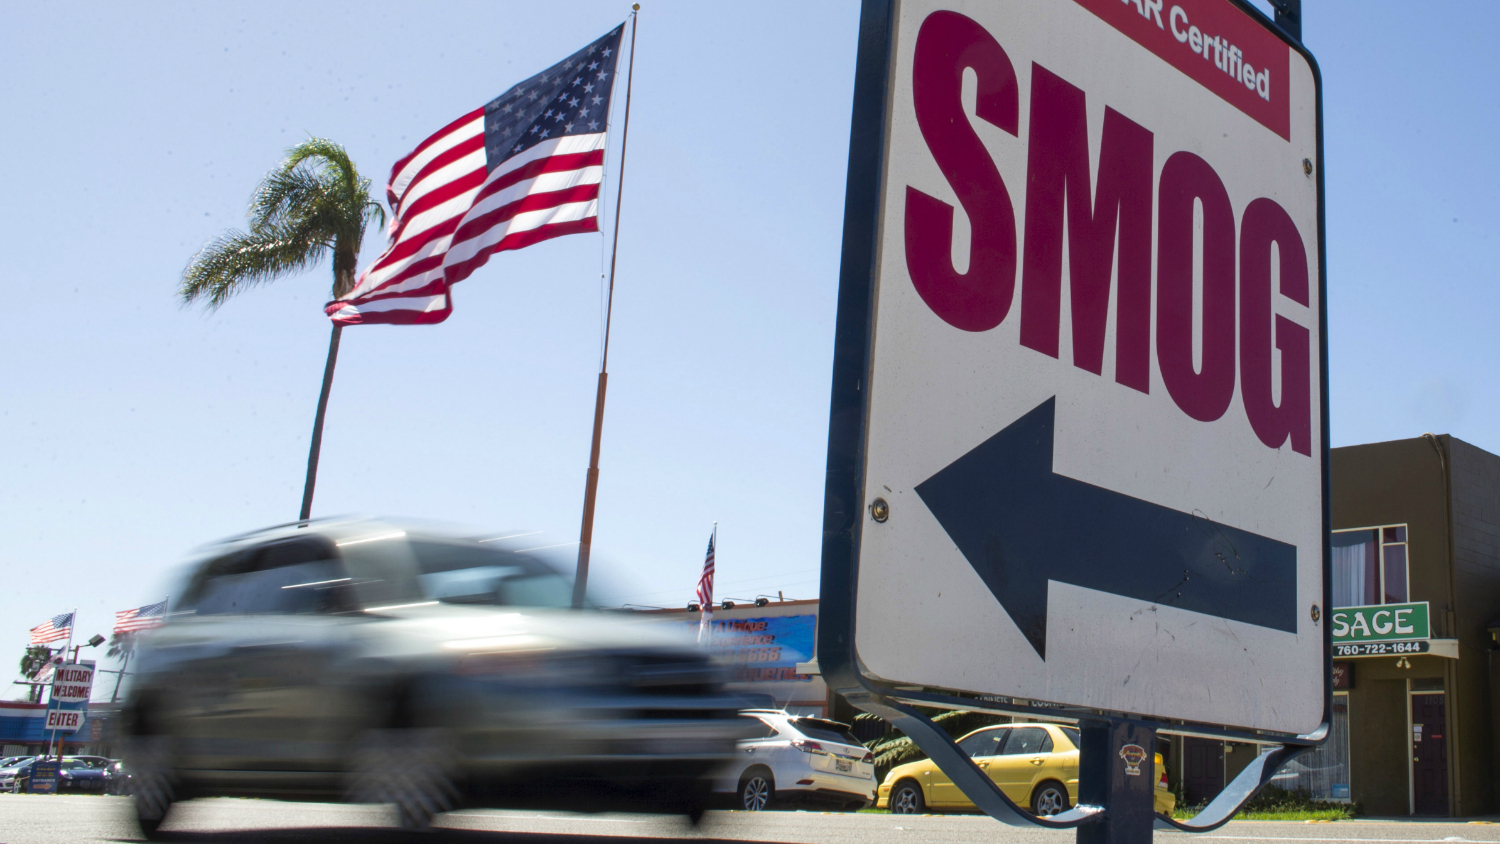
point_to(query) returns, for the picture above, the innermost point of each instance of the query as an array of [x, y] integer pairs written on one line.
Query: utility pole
[[119, 677]]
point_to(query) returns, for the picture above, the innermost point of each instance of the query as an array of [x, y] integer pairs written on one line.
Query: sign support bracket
[[975, 783], [1114, 807], [1238, 792]]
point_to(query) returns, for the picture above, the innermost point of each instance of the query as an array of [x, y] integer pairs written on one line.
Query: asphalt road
[[37, 819]]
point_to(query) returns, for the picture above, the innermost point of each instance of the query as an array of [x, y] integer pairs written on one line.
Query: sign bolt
[[1316, 613], [880, 510], [1307, 166]]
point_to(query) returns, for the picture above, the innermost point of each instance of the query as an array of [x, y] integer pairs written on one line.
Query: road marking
[[1355, 840], [538, 817]]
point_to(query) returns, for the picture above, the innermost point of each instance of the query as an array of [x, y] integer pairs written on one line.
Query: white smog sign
[[1093, 451]]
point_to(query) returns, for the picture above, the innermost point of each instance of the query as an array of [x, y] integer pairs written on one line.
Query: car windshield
[[74, 764], [286, 576], [821, 730], [468, 573]]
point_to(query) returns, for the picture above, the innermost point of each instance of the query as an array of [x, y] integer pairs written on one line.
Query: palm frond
[[287, 193], [315, 202], [896, 748], [373, 210], [236, 260], [334, 155], [121, 644]]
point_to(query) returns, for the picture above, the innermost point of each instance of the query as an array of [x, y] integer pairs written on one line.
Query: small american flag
[[55, 629], [706, 588], [706, 580], [140, 618], [524, 168]]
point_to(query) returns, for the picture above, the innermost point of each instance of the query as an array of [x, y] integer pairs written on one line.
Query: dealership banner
[[764, 649]]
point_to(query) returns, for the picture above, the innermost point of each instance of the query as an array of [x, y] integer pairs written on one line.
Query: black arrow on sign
[[1020, 526]]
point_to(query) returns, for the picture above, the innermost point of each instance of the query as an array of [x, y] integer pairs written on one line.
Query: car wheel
[[757, 790], [1050, 798], [411, 770], [907, 799], [153, 779]]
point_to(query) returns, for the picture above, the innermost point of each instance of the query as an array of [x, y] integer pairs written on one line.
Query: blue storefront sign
[[764, 649], [26, 723]]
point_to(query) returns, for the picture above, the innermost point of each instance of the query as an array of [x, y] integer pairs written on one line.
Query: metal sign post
[[1078, 447], [1115, 771]]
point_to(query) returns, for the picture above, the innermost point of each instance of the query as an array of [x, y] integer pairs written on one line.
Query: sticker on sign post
[[1078, 445]]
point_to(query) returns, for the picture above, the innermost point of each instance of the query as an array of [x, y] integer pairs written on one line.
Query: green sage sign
[[1381, 623]]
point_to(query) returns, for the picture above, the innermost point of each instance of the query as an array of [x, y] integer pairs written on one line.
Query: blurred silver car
[[379, 662]]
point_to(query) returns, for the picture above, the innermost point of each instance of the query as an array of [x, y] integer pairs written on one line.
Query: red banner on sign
[[1216, 44]]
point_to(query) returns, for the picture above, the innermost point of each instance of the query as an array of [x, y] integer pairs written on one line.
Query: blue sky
[[135, 430]]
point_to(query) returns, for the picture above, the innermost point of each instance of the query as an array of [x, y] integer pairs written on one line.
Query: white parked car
[[793, 759]]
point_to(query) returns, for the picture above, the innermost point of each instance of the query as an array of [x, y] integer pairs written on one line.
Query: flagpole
[[591, 482], [52, 690], [120, 677]]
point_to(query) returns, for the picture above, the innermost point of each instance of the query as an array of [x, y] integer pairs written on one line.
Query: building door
[[1203, 774], [1429, 754]]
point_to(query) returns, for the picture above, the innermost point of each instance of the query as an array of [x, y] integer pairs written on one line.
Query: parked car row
[[789, 761], [802, 761], [78, 774]]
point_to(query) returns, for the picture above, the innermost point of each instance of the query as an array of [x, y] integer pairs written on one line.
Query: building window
[[1369, 566], [1322, 774], [1393, 557]]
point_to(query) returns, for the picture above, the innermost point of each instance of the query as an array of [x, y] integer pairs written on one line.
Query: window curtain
[[1354, 568]]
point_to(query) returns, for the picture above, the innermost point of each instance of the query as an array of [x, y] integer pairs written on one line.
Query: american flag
[[706, 581], [140, 618], [55, 629], [524, 168], [706, 590]]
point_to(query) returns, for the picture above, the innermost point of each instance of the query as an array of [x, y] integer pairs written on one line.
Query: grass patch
[[1343, 813], [1277, 804]]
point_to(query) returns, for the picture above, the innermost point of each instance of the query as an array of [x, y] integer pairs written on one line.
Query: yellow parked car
[[1036, 765]]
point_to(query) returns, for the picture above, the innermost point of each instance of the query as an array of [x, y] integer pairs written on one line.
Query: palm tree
[[33, 661], [314, 204], [121, 645]]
